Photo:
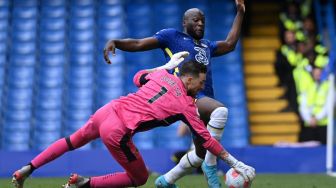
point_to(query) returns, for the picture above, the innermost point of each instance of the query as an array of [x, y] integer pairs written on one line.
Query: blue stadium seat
[[84, 60], [42, 139], [110, 81], [46, 72], [49, 93], [80, 72], [167, 8], [105, 95], [82, 23], [82, 11], [52, 36], [17, 99], [15, 137], [21, 72], [24, 24], [137, 10], [54, 3], [2, 76], [82, 47], [52, 59], [25, 3], [3, 25], [112, 2], [82, 36], [5, 3], [15, 126], [23, 48], [50, 82], [52, 47], [22, 60], [48, 126], [57, 23], [111, 11], [85, 82], [79, 104], [47, 115], [79, 93], [17, 115], [3, 61], [106, 35], [78, 114], [23, 36], [4, 12], [24, 12], [3, 47], [109, 72], [49, 103], [82, 3], [144, 140], [109, 24], [52, 11], [21, 82], [166, 137], [15, 147], [73, 125]]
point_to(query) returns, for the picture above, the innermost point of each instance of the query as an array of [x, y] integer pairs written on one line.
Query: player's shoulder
[[206, 41], [168, 31]]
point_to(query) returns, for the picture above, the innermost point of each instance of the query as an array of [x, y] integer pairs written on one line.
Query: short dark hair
[[193, 68]]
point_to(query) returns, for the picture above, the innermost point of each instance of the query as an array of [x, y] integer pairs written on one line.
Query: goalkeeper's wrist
[[230, 160]]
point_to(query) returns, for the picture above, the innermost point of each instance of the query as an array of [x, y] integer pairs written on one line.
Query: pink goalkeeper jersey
[[160, 101]]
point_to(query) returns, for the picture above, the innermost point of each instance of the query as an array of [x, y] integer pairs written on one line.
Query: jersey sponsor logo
[[201, 56], [185, 38]]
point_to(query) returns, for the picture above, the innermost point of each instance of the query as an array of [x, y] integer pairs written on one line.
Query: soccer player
[[212, 112], [161, 100]]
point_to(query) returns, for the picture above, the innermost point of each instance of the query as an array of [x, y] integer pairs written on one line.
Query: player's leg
[[194, 158], [85, 134], [214, 114], [117, 139]]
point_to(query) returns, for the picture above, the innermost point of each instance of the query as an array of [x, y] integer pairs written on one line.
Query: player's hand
[[175, 60], [246, 171], [110, 46], [240, 5]]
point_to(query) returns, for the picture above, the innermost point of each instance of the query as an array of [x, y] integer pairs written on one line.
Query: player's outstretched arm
[[130, 45], [246, 171], [231, 40]]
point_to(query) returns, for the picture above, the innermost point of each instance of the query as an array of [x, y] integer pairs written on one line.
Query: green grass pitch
[[198, 181]]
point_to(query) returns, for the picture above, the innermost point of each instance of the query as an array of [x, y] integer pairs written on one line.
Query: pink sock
[[55, 150], [119, 179]]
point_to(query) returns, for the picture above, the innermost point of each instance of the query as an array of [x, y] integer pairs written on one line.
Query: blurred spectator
[[313, 106], [284, 65], [290, 18]]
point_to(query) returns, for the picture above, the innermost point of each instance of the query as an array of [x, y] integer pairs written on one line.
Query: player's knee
[[190, 160], [219, 117], [141, 179], [217, 122]]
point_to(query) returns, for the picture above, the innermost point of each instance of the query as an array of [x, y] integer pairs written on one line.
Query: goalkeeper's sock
[[118, 179], [216, 126], [187, 163], [55, 150]]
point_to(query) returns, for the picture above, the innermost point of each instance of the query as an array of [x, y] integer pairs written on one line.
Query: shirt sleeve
[[199, 130], [140, 78], [212, 47], [164, 36]]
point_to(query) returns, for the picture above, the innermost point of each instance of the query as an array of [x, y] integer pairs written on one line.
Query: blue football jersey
[[172, 41]]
